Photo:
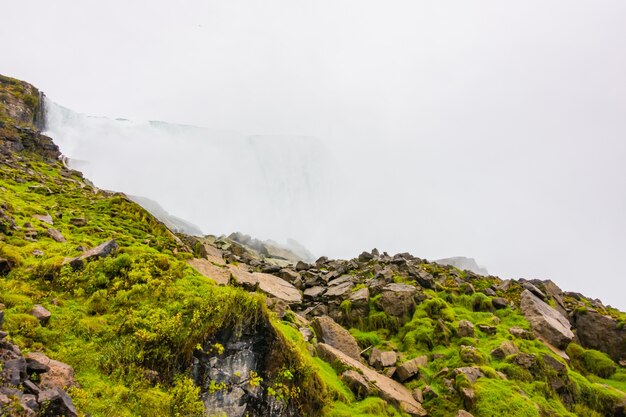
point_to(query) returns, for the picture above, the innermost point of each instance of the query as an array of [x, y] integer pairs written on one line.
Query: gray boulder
[[547, 323]]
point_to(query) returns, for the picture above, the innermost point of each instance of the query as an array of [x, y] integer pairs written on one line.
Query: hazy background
[[478, 128]]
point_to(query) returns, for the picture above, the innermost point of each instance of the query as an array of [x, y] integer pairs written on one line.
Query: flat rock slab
[[546, 321], [267, 283], [221, 275], [331, 333], [390, 390]]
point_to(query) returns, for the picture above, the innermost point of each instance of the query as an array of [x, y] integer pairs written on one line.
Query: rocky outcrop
[[267, 283], [600, 332], [333, 334], [398, 299], [388, 389], [547, 323], [101, 251]]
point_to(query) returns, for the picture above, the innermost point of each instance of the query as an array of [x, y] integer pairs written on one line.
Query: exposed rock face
[[547, 323], [357, 383], [398, 299], [58, 375], [227, 379], [602, 333], [331, 333], [219, 274], [389, 389]]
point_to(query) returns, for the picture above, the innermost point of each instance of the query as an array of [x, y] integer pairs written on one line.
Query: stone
[[101, 251], [525, 360], [410, 369], [341, 291], [331, 333], [602, 333], [313, 292], [521, 333], [56, 235], [307, 334], [468, 396], [556, 365], [14, 371], [463, 413], [418, 394], [357, 383], [78, 221], [545, 321], [388, 389], [490, 292], [398, 299], [505, 349], [302, 266], [56, 403], [382, 358], [466, 329], [365, 256], [490, 330], [41, 314], [471, 372], [267, 283], [289, 275], [534, 290], [46, 218], [470, 354], [60, 375], [499, 303], [219, 274]]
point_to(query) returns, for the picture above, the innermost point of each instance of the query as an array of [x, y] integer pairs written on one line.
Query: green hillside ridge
[[142, 329]]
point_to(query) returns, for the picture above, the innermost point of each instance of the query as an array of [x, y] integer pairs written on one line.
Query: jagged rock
[[490, 292], [398, 299], [499, 303], [558, 366], [30, 387], [357, 383], [101, 251], [534, 290], [418, 394], [521, 333], [547, 323], [56, 403], [602, 333], [471, 372], [359, 306], [525, 360], [339, 291], [267, 283], [410, 368], [302, 266], [389, 390], [313, 292], [429, 393], [59, 375], [307, 334], [366, 256], [466, 329], [505, 349], [423, 278], [14, 371], [289, 275], [490, 330], [46, 218], [381, 359], [331, 333], [41, 314], [56, 235]]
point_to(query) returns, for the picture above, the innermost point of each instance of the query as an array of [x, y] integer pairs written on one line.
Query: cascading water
[[268, 186]]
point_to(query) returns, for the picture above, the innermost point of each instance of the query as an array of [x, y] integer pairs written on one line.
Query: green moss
[[498, 398], [369, 407], [591, 361]]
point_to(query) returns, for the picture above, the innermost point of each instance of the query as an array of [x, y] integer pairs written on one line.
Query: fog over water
[[483, 129]]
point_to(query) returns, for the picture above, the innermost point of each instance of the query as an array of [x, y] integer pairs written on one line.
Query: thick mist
[[493, 130]]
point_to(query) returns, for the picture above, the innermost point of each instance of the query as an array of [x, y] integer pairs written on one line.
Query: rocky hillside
[[106, 312]]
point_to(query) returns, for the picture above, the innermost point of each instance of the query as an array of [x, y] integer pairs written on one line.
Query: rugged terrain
[[106, 312]]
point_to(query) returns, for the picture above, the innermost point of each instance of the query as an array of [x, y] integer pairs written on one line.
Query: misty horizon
[[493, 131]]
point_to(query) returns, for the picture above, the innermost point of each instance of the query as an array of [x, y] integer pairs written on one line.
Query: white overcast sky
[[490, 129]]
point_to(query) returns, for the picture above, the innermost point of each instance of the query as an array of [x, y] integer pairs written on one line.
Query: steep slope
[[101, 287]]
